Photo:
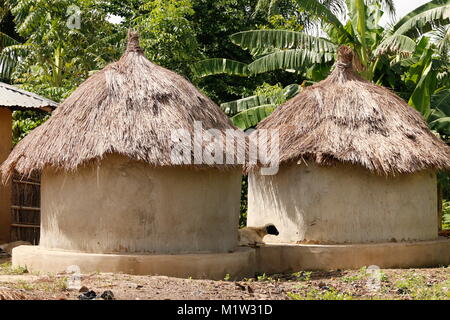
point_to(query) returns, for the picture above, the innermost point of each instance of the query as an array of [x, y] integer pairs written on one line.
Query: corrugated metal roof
[[14, 98]]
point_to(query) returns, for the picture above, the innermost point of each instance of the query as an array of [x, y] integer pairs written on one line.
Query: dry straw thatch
[[345, 118], [129, 108]]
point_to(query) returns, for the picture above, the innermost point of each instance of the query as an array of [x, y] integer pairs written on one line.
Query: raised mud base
[[279, 258], [214, 266], [244, 262]]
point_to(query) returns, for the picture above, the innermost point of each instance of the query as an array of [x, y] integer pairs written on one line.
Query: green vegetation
[[316, 294], [417, 287], [296, 276], [446, 215], [25, 121], [53, 59], [7, 269], [361, 275], [49, 285], [414, 284]]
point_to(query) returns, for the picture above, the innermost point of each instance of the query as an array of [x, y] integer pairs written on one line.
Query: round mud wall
[[344, 204], [125, 206]]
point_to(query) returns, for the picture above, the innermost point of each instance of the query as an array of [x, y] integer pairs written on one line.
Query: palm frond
[[213, 66], [268, 7], [441, 125], [441, 37], [9, 58], [233, 107], [387, 5], [319, 10], [441, 101], [251, 117], [289, 59], [396, 44], [424, 18], [6, 41], [338, 7], [281, 39]]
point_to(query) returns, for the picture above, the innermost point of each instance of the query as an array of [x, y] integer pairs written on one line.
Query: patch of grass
[[315, 294], [295, 276], [364, 274], [361, 275], [409, 283], [24, 285], [439, 291], [384, 277], [8, 269], [60, 284], [302, 275], [263, 277], [417, 287], [47, 285]]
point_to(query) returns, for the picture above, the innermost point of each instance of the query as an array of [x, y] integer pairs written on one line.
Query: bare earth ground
[[337, 285]]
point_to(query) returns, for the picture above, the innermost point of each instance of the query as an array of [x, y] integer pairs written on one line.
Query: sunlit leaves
[[281, 39], [251, 117], [54, 58], [233, 107], [435, 12], [289, 59], [213, 66]]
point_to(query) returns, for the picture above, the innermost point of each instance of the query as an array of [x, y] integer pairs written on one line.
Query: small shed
[[357, 165], [115, 196], [13, 98]]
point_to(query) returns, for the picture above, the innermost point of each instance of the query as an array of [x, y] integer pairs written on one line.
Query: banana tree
[[7, 61], [439, 118], [426, 78]]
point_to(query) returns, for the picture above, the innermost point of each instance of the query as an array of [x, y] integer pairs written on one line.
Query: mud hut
[[122, 187], [357, 165], [11, 99]]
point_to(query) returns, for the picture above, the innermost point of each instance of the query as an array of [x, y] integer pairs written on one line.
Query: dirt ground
[[336, 285]]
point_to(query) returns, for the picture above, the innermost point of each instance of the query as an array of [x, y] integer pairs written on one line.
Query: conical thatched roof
[[345, 118], [129, 108]]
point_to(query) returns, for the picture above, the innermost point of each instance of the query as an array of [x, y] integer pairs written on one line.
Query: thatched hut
[[112, 182], [11, 99], [357, 165]]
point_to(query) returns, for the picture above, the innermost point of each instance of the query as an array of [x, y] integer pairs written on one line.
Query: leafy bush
[[25, 121], [446, 215]]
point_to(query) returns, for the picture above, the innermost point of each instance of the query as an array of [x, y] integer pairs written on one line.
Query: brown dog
[[253, 236]]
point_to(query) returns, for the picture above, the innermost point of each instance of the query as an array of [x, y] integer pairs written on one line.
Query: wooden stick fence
[[25, 209]]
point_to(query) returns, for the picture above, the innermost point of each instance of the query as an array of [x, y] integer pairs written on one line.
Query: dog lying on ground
[[253, 236]]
